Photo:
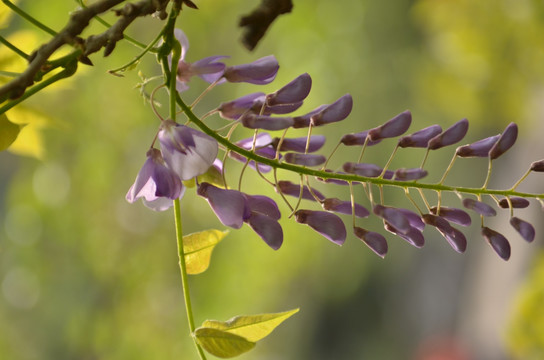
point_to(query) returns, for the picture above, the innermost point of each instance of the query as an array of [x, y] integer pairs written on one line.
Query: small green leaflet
[[198, 249], [8, 132], [239, 334]]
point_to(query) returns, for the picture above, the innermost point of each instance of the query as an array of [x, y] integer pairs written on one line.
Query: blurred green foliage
[[85, 275]]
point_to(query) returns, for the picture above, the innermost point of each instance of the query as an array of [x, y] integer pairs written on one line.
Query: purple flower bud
[[334, 181], [232, 110], [304, 120], [375, 241], [506, 141], [156, 183], [363, 169], [454, 215], [267, 228], [477, 149], [262, 148], [526, 230], [344, 207], [325, 223], [305, 159], [517, 203], [299, 144], [498, 242], [295, 91], [394, 217], [259, 72], [230, 206], [538, 166], [358, 139], [420, 139], [288, 188], [187, 151], [277, 109], [337, 111], [208, 69], [392, 128], [451, 135], [454, 237], [413, 218], [413, 236], [480, 207], [253, 121], [263, 205], [410, 174]]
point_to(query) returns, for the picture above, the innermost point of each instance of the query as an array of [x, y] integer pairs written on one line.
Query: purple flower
[[454, 215], [505, 142], [477, 149], [375, 241], [288, 188], [188, 152], [358, 139], [294, 92], [480, 207], [526, 230], [254, 121], [517, 203], [232, 110], [454, 237], [305, 159], [208, 68], [538, 166], [325, 223], [337, 111], [262, 148], [413, 218], [394, 217], [335, 181], [230, 206], [413, 236], [450, 136], [344, 207], [259, 72], [299, 144], [363, 169], [420, 139], [304, 120], [156, 183], [409, 174], [392, 128], [498, 242]]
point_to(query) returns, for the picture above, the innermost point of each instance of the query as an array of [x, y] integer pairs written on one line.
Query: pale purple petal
[[262, 139], [279, 109], [477, 149], [393, 216], [525, 229], [299, 144], [159, 204], [253, 121], [344, 207], [208, 68], [232, 110], [480, 207], [375, 241], [420, 139], [450, 136], [263, 205], [230, 206], [305, 159], [261, 71], [363, 169], [506, 141], [413, 218], [498, 242], [454, 237], [517, 203], [409, 174], [325, 223], [454, 215], [337, 111], [413, 236], [304, 120], [358, 139], [288, 188], [183, 41], [296, 91], [392, 128], [267, 228]]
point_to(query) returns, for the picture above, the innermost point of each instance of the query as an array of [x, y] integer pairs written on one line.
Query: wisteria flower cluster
[[187, 153]]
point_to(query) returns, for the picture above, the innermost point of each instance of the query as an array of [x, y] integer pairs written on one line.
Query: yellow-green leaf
[[251, 327], [8, 132], [198, 249], [222, 343]]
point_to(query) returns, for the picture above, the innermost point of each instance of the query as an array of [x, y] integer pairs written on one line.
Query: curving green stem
[[29, 18]]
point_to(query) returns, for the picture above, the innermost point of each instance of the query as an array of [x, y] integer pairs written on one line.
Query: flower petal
[[420, 139], [451, 135], [505, 142], [526, 230], [253, 121], [288, 188], [375, 241], [359, 139], [477, 149], [410, 174], [454, 215], [305, 159], [296, 91], [392, 128], [299, 144], [363, 169], [325, 223], [393, 216], [263, 205], [337, 111], [261, 71], [267, 228], [498, 242], [517, 203], [230, 206], [480, 207], [344, 207]]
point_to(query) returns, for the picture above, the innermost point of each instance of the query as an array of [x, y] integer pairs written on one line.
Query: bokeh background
[[85, 275]]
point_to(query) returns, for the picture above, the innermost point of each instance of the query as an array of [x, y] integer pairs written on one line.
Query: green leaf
[[251, 327], [222, 343], [8, 132], [198, 249]]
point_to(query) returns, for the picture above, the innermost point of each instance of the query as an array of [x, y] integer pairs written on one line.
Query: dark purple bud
[[261, 71], [304, 120], [208, 69], [479, 148], [325, 223], [295, 91], [344, 207], [413, 237], [277, 109], [337, 111], [394, 217], [526, 230], [334, 181], [538, 166], [288, 188], [358, 139], [506, 141], [232, 110], [413, 218], [450, 136], [410, 174], [253, 121], [420, 139], [363, 169], [230, 206], [375, 241], [267, 228], [263, 205], [305, 159], [517, 203], [454, 215], [454, 237], [299, 144], [393, 128], [480, 207], [498, 242]]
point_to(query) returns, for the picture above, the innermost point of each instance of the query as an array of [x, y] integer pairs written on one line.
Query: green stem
[[29, 18], [276, 164], [13, 48], [184, 278], [137, 58]]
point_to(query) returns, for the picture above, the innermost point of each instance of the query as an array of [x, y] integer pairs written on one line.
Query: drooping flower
[[305, 159], [413, 236], [344, 207], [299, 144], [394, 217], [477, 149], [294, 92], [337, 111], [288, 188], [375, 241], [409, 174], [157, 184], [525, 229], [454, 215], [259, 72], [516, 202], [325, 223], [359, 138], [187, 151], [454, 237], [537, 166], [420, 139], [392, 128], [479, 206], [263, 148], [266, 122], [498, 242], [450, 136], [505, 142]]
